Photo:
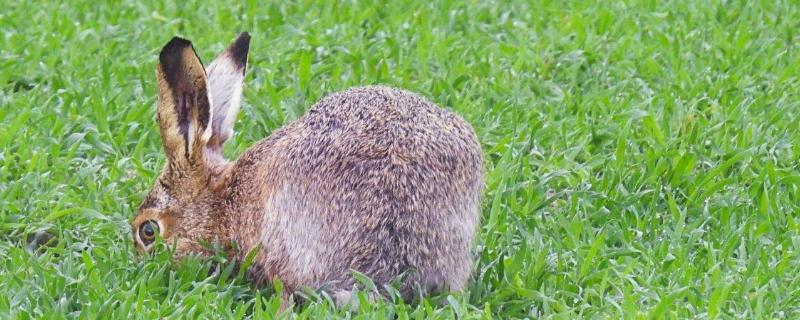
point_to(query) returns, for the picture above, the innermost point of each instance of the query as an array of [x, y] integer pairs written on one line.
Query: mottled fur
[[373, 179]]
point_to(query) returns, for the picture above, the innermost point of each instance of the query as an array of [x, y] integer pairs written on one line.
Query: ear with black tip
[[184, 109], [225, 81]]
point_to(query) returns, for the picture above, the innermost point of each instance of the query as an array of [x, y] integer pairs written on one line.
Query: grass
[[642, 156]]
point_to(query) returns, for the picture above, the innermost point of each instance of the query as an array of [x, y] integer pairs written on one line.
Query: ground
[[642, 156]]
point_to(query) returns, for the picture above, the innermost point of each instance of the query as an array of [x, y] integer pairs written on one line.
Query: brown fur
[[373, 179]]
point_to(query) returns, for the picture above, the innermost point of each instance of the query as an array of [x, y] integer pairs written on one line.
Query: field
[[641, 156]]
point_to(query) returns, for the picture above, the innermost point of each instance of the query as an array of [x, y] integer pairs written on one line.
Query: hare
[[374, 179]]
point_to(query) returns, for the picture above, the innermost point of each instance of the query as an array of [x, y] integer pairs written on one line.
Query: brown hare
[[376, 180]]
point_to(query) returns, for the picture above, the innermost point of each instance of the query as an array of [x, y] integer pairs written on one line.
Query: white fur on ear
[[225, 78]]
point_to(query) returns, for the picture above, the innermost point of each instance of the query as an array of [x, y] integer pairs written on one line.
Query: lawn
[[641, 157]]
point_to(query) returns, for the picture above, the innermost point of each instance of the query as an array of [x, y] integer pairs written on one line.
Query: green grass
[[642, 157]]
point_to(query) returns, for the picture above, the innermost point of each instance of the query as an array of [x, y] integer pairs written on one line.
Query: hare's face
[[183, 221], [161, 216], [196, 110]]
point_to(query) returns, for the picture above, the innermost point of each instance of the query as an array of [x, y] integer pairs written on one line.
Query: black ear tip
[[173, 49], [238, 50]]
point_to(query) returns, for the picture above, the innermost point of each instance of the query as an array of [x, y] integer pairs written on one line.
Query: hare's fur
[[375, 179]]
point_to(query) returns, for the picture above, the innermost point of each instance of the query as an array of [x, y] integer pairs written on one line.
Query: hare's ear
[[225, 78], [184, 109]]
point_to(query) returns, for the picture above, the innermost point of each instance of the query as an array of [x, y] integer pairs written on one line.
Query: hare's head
[[196, 110]]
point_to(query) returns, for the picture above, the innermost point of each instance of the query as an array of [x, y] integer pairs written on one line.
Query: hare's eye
[[147, 231]]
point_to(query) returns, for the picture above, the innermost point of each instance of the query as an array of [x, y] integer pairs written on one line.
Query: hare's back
[[386, 127]]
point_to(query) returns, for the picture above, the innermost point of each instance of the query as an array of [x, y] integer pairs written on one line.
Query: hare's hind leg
[[450, 278], [344, 298]]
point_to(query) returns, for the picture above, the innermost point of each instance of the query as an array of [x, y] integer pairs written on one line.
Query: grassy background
[[642, 156]]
